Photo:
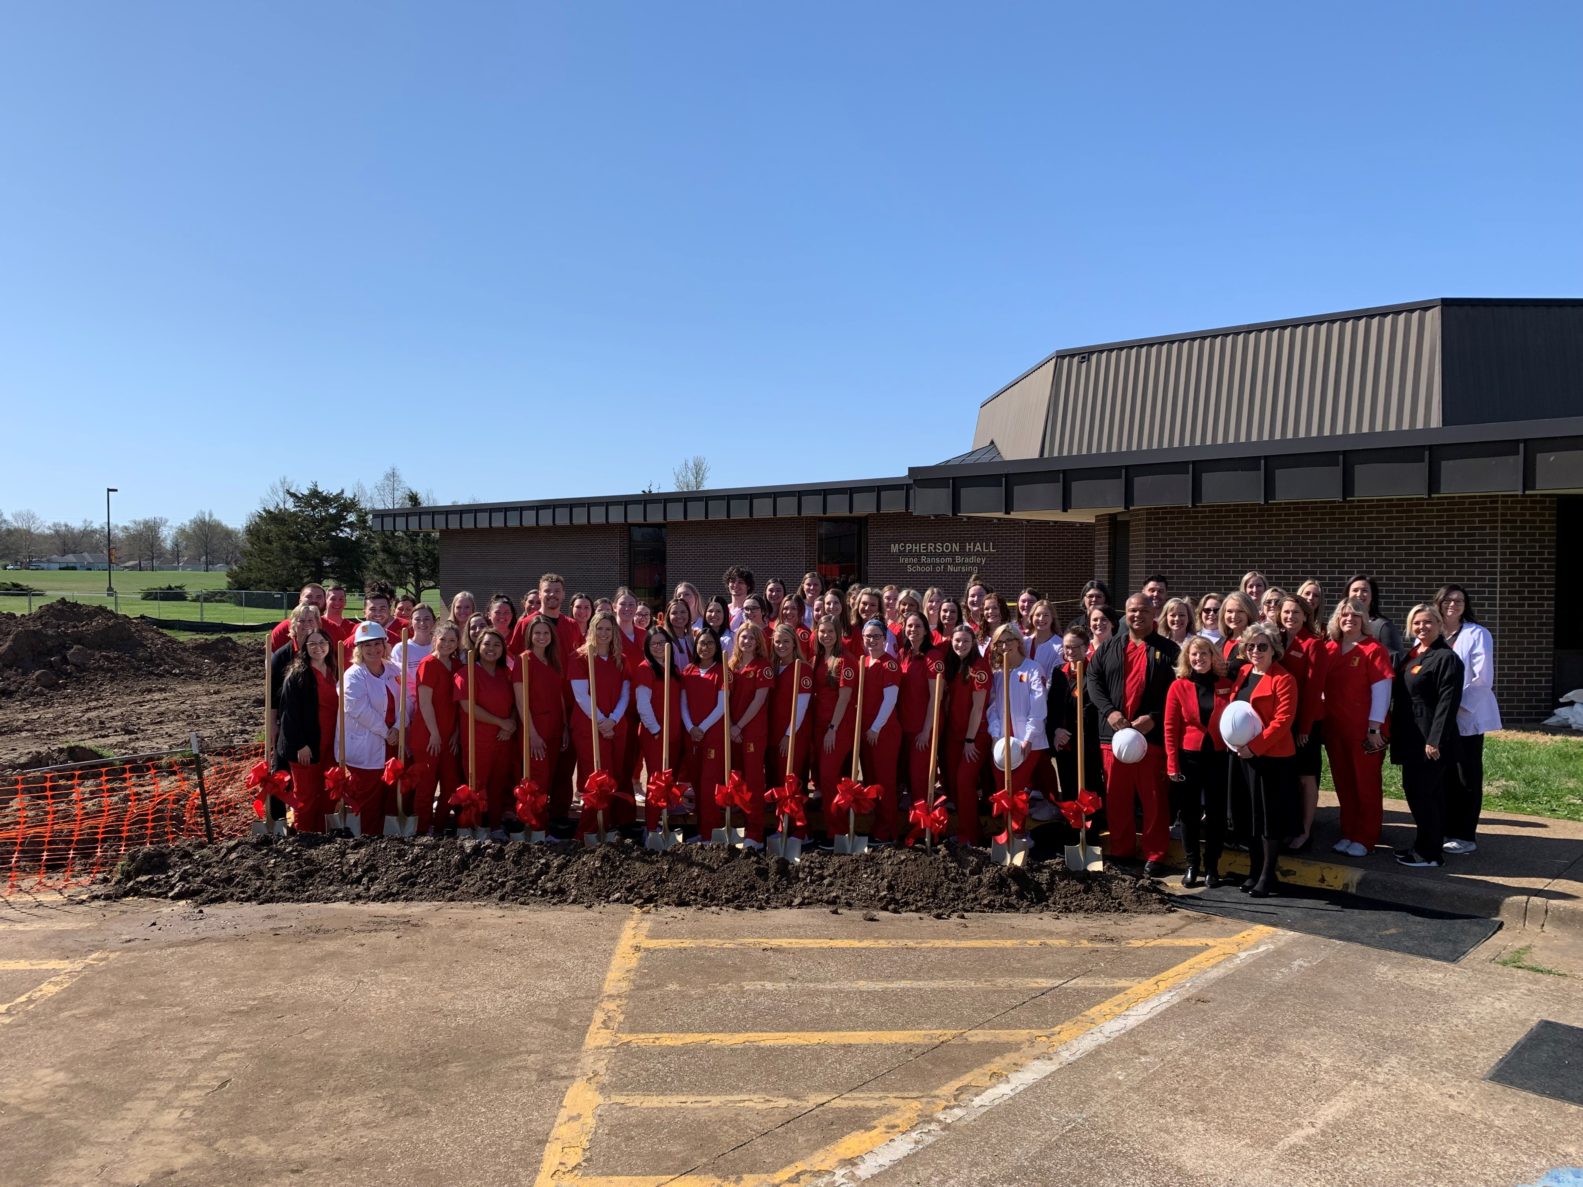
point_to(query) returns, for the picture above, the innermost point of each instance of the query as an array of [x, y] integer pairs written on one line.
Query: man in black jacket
[[1127, 682]]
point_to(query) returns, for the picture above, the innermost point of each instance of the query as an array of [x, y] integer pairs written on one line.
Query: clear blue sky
[[531, 250]]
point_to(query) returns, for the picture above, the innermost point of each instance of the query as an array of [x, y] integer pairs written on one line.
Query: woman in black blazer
[[1425, 697]]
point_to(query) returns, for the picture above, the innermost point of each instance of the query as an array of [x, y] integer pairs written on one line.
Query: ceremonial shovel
[[268, 827], [1081, 856], [592, 839], [1013, 851], [340, 819], [851, 842], [734, 837], [401, 825], [532, 836], [478, 832], [663, 838], [783, 844]]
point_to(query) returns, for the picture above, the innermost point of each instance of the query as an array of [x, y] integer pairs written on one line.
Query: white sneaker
[[1356, 849], [1460, 847], [1342, 846]]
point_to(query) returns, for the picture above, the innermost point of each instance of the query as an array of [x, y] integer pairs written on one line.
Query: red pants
[[775, 773], [654, 762], [621, 811], [631, 749], [431, 776], [1023, 776], [1357, 779], [307, 782], [879, 766], [914, 764], [492, 776], [1126, 782], [747, 758], [830, 768], [963, 777], [371, 821]]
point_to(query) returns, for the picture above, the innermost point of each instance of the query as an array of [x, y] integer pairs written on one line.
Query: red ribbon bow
[[926, 818], [359, 799], [734, 792], [852, 796], [664, 793], [266, 783], [598, 790], [1012, 804], [470, 805], [1079, 810], [789, 799], [395, 770], [334, 782], [533, 805]]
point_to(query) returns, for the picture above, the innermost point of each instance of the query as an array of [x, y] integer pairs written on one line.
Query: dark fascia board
[[1280, 323], [529, 510], [1516, 457]]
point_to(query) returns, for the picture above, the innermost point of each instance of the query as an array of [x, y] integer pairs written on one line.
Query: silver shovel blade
[[1086, 858], [790, 850], [734, 837], [395, 828], [851, 846], [661, 839], [1011, 852]]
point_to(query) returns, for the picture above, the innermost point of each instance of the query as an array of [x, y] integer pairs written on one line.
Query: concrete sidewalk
[[1528, 871]]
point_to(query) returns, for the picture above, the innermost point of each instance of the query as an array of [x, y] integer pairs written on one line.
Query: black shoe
[[1190, 876], [1212, 878], [1151, 869], [1262, 892]]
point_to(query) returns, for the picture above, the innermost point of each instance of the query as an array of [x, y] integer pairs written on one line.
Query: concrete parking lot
[[143, 1042]]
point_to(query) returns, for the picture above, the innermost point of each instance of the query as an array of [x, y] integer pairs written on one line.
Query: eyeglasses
[[1206, 611], [1255, 647]]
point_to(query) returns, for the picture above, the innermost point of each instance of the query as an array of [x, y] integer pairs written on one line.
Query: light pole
[[109, 547]]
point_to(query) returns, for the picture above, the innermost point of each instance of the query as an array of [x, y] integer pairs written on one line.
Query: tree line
[[204, 540]]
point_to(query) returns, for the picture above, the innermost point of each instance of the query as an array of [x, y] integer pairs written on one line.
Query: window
[[646, 564], [841, 551]]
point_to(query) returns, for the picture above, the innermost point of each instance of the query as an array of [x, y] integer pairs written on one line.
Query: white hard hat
[[368, 632]]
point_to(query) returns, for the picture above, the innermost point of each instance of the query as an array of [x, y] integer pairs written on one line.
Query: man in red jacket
[[1127, 682]]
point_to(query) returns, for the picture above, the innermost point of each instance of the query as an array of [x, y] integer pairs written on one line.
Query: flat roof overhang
[[1511, 457], [867, 496]]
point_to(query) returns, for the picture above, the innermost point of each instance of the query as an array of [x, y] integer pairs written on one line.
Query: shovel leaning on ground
[[336, 779], [849, 792], [268, 783], [1081, 856], [400, 825], [732, 791], [662, 790], [789, 796], [468, 799], [1011, 848], [533, 802]]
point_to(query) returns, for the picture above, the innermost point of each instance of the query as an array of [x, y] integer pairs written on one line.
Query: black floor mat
[[1548, 1061], [1416, 931]]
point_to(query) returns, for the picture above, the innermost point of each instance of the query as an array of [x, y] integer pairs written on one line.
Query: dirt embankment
[[75, 676], [312, 868]]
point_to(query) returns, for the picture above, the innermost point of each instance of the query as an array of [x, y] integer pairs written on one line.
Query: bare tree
[[80, 537], [692, 474], [144, 540], [227, 546], [203, 534], [30, 537]]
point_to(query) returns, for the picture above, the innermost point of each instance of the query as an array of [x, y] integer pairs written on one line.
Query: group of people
[[763, 685]]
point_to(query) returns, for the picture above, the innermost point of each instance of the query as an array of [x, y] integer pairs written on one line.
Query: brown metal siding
[[1014, 420], [1372, 373]]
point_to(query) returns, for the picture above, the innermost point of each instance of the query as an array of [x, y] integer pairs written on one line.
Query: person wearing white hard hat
[[1195, 754], [369, 691], [1264, 769], [1029, 704], [1127, 682]]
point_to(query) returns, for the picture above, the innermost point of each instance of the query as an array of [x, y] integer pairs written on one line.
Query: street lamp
[[109, 547]]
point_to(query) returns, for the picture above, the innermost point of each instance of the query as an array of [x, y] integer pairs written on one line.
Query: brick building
[[1436, 441]]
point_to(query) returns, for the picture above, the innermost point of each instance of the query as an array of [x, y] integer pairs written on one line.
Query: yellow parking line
[[771, 942], [933, 986], [574, 1124], [22, 966], [851, 1100], [74, 969], [820, 1038]]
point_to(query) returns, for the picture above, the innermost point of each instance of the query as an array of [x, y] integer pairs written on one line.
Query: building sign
[[929, 558]]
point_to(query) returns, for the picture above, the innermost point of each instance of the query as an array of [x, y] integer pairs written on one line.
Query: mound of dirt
[[312, 868], [62, 642]]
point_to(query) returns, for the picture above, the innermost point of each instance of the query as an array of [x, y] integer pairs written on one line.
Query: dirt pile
[[63, 642], [317, 869]]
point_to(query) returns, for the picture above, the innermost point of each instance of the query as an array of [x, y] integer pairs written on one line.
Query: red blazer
[[1306, 660], [1275, 701], [1184, 727]]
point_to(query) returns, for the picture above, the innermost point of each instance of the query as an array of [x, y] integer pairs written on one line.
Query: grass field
[[1529, 773]]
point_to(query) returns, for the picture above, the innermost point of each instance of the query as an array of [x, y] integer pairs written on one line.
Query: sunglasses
[[1255, 647], [1206, 611]]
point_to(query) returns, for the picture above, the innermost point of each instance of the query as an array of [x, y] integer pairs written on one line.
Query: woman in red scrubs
[[1304, 658], [921, 667], [967, 730], [1358, 677], [787, 659], [545, 714], [751, 681], [609, 699], [703, 717], [581, 609], [881, 730], [649, 685], [791, 616], [495, 725], [435, 756], [835, 675], [625, 607]]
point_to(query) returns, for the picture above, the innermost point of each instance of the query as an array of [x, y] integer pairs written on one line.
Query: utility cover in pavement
[[1335, 915], [1548, 1061]]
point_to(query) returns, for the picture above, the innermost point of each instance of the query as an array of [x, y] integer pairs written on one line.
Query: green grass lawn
[[1531, 774], [83, 581]]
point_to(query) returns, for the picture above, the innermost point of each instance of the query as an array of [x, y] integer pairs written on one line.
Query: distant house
[[72, 560]]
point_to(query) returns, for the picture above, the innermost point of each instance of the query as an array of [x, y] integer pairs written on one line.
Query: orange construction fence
[[66, 826]]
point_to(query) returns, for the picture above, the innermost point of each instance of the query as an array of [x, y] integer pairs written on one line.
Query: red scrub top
[[916, 672], [959, 698], [827, 690], [878, 675]]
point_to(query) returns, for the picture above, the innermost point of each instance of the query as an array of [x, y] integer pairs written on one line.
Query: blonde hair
[[1178, 604], [760, 646], [783, 630], [1435, 617], [615, 635], [1184, 667], [1333, 627], [1242, 600], [1005, 633]]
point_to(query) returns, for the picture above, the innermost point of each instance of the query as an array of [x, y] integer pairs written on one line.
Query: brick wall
[[509, 560], [1501, 547]]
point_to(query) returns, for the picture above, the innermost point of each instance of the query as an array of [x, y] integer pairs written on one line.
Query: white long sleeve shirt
[[1029, 703], [887, 702], [367, 697], [708, 722], [1478, 713], [416, 654], [580, 695]]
